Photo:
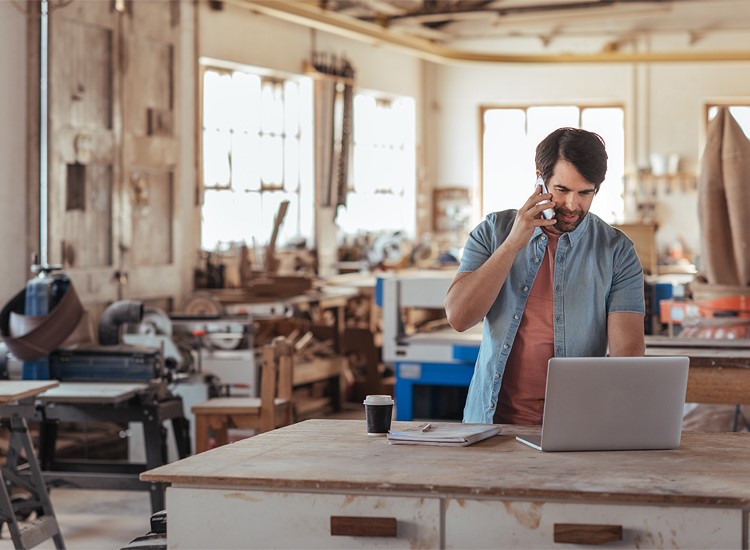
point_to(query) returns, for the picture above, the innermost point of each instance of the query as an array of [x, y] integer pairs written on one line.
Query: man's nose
[[571, 202]]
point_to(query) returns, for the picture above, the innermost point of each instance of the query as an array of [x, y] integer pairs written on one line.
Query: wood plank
[[317, 370], [15, 390], [337, 455], [93, 392], [718, 385], [707, 357]]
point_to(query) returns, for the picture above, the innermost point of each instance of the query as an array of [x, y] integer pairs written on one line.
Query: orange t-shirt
[[521, 399]]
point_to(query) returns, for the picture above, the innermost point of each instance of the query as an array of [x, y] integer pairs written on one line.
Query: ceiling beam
[[310, 15]]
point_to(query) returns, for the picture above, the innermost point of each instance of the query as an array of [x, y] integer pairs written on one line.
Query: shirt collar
[[573, 236]]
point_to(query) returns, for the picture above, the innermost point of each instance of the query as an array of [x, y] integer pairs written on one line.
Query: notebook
[[612, 403], [452, 434]]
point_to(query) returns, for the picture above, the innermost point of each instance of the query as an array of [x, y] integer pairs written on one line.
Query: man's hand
[[528, 217], [471, 295]]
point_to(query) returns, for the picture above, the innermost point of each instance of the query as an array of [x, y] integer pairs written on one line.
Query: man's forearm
[[626, 334]]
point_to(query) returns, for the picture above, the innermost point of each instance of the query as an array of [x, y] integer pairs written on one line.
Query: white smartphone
[[550, 212]]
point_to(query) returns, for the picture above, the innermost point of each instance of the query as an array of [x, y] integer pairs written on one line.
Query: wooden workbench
[[119, 402], [295, 486], [719, 369]]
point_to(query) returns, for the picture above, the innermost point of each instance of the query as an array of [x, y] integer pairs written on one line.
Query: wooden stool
[[272, 410]]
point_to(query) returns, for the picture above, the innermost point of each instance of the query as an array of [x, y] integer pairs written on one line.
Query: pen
[[426, 427]]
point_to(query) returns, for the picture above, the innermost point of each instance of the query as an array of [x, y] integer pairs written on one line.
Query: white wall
[[13, 52], [664, 105], [240, 35]]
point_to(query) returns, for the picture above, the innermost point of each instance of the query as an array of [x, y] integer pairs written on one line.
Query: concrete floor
[[98, 520], [111, 519]]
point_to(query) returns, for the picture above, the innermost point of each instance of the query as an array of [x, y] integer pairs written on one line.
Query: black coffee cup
[[378, 412]]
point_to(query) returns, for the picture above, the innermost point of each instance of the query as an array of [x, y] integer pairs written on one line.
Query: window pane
[[245, 165], [508, 160], [216, 90], [742, 115], [216, 147], [609, 203], [291, 164], [383, 186], [543, 120], [225, 218], [256, 233], [364, 116], [272, 159], [246, 101], [291, 108], [272, 119]]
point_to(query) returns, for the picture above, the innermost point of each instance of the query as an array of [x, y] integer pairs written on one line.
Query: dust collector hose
[[124, 311]]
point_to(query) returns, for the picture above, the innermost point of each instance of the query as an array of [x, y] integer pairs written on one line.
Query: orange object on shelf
[[728, 306]]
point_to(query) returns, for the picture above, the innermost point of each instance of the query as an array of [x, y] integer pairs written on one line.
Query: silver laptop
[[612, 403]]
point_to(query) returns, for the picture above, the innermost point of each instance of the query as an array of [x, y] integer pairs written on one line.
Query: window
[[741, 114], [382, 190], [510, 137], [256, 153]]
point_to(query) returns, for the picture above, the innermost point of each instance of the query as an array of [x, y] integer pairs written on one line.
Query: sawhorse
[[45, 525], [35, 497]]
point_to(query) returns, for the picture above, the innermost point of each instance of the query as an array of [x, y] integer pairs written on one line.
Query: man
[[571, 286]]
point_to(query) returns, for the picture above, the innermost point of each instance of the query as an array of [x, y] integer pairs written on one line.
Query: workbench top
[[14, 390], [337, 455]]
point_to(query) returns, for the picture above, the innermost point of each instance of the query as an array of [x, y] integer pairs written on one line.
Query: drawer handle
[[582, 533], [352, 526]]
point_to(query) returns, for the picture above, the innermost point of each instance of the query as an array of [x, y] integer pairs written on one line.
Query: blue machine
[[43, 293], [438, 358]]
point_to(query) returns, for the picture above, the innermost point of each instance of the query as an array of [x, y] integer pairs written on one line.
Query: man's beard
[[568, 226]]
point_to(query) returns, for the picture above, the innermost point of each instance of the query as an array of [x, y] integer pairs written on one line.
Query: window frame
[[205, 65], [525, 107]]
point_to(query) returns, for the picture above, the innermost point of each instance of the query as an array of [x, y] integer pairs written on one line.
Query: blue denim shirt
[[597, 272]]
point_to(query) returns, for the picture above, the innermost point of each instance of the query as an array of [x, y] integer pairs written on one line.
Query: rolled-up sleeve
[[626, 293], [479, 245]]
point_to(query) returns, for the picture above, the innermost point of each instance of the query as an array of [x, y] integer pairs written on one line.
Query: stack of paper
[[453, 434]]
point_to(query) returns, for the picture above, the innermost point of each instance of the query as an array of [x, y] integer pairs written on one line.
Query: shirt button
[[544, 237], [525, 289], [536, 260], [505, 346], [497, 376], [516, 317]]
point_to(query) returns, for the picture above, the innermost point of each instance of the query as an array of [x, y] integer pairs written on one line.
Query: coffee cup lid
[[378, 400]]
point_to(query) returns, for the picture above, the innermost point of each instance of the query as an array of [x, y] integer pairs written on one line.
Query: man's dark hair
[[584, 150]]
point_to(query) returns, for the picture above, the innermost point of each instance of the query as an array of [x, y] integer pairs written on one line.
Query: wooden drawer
[[216, 518], [496, 524]]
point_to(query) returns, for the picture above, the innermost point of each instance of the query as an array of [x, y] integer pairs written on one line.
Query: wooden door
[[112, 148], [149, 150]]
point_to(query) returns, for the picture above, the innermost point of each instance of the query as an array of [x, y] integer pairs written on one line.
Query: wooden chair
[[273, 409]]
